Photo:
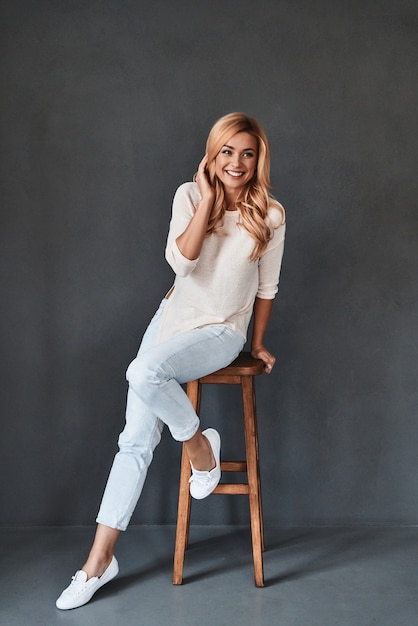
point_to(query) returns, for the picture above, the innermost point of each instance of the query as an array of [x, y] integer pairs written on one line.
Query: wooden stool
[[240, 372]]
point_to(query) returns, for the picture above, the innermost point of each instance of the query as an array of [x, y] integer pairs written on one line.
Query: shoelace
[[204, 480], [77, 586]]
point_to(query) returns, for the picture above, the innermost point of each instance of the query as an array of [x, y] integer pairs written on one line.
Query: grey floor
[[314, 577]]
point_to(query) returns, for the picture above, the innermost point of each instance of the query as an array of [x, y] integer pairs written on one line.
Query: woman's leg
[[100, 559], [155, 379]]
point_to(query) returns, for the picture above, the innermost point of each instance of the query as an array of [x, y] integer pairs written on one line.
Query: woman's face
[[236, 162]]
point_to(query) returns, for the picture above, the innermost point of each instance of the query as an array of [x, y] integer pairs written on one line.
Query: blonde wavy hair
[[255, 199]]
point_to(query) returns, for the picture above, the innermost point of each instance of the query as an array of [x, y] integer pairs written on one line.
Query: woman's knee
[[145, 376]]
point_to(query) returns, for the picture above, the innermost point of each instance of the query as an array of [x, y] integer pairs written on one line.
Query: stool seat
[[240, 372], [244, 365]]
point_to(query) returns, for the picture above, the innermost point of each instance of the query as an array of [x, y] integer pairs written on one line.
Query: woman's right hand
[[206, 190]]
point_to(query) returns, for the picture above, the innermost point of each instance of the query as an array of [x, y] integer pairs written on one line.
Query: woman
[[225, 245]]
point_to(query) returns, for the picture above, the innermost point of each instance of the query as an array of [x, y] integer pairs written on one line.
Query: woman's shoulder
[[189, 190], [276, 213]]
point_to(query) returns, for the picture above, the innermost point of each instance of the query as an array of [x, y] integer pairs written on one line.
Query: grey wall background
[[105, 109]]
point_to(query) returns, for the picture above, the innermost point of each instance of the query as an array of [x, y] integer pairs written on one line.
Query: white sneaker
[[203, 483], [81, 590]]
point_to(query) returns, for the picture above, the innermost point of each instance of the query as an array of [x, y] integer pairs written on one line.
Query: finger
[[270, 364]]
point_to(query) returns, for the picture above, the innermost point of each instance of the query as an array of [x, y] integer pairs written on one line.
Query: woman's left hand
[[260, 352]]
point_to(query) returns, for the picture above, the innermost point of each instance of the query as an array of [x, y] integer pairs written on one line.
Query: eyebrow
[[245, 149]]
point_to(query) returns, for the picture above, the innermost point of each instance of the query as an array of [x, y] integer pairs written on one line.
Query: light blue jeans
[[156, 398]]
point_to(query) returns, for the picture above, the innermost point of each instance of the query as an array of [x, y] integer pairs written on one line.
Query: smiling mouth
[[235, 174]]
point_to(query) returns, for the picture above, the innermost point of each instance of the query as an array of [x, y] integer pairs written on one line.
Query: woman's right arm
[[191, 239]]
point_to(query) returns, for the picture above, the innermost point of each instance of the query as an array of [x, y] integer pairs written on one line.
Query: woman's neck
[[230, 202]]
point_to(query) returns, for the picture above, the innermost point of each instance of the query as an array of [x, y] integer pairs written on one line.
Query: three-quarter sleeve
[[270, 263], [184, 207]]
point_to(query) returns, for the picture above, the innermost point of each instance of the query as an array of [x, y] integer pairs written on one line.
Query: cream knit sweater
[[221, 285]]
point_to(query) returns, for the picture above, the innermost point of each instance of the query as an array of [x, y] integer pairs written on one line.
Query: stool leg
[[184, 503], [183, 519], [250, 426], [258, 477]]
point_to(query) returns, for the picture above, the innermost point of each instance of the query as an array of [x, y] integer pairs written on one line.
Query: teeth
[[236, 174]]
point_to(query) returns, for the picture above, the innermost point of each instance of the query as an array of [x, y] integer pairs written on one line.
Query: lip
[[234, 174]]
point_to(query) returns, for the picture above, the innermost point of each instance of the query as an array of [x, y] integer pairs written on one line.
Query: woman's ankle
[[101, 552], [96, 566], [201, 454]]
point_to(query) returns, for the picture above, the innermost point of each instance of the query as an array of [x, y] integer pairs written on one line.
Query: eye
[[226, 151], [248, 155]]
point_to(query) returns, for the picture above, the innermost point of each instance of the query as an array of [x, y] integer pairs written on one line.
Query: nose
[[236, 160]]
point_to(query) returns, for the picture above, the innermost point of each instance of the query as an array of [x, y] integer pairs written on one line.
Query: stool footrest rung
[[232, 489], [233, 466]]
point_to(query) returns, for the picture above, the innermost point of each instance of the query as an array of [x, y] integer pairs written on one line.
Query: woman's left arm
[[269, 272], [262, 312]]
